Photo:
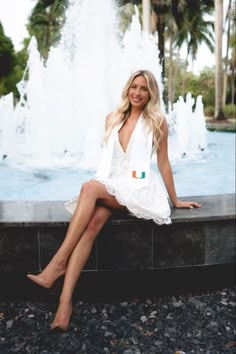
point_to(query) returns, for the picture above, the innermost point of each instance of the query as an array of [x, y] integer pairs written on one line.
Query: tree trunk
[[161, 44], [232, 84], [176, 69], [185, 72], [146, 15], [227, 55], [219, 114], [170, 73]]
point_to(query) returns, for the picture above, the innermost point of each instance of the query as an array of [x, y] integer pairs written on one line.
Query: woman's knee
[[88, 188]]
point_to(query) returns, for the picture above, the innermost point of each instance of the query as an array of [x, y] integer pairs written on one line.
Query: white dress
[[149, 202]]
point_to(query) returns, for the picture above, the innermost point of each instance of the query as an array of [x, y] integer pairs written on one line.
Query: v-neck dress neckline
[[131, 136]]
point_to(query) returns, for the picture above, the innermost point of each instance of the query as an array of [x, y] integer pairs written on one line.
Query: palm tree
[[219, 113], [45, 22], [227, 21], [232, 44], [229, 61], [171, 33], [162, 8], [194, 30]]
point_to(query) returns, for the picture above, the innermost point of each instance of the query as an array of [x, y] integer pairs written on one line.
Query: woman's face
[[138, 93]]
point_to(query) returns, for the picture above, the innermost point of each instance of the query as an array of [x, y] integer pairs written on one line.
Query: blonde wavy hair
[[152, 115]]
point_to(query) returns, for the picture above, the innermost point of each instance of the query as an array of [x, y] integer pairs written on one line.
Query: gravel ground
[[191, 323]]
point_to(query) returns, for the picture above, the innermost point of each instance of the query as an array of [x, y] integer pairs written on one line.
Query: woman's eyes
[[142, 88]]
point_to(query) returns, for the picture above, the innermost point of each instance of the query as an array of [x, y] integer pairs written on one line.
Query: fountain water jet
[[189, 127]]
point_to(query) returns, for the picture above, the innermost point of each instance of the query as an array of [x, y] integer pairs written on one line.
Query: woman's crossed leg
[[94, 207]]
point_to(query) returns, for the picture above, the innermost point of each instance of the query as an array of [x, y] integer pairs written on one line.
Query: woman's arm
[[166, 172]]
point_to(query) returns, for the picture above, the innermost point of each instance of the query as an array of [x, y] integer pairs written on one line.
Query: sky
[[13, 16], [15, 28]]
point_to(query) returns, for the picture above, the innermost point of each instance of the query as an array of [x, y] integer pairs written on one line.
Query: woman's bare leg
[[91, 193], [76, 264]]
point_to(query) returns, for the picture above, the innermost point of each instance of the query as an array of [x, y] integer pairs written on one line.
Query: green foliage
[[7, 58], [229, 111], [12, 65], [209, 111], [207, 86], [194, 29], [125, 13], [203, 84]]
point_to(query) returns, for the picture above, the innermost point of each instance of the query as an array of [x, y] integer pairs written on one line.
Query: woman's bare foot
[[49, 275], [62, 318]]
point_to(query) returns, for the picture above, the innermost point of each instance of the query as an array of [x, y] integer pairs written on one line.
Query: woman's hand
[[186, 204]]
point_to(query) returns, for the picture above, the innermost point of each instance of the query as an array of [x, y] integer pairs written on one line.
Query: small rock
[[213, 324], [108, 334], [169, 317], [84, 346], [158, 343], [31, 315], [223, 293], [198, 303], [177, 303], [134, 340], [143, 319], [9, 324]]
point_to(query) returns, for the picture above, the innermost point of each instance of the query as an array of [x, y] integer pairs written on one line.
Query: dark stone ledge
[[31, 233], [52, 213]]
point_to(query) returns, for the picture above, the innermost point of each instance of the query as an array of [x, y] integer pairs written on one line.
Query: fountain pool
[[213, 172]]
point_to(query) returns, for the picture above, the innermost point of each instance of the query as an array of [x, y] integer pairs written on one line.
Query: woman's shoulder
[[109, 116], [164, 124]]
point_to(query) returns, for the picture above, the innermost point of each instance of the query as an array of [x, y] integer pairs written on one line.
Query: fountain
[[59, 121]]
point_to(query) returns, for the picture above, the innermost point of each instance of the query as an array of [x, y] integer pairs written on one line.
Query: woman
[[123, 181]]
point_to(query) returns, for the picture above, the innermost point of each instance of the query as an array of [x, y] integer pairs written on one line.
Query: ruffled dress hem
[[132, 210]]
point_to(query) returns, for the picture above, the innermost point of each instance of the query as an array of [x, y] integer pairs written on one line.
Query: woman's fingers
[[187, 204]]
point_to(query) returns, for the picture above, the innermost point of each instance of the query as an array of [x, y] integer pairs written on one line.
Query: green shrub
[[229, 111], [209, 111]]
